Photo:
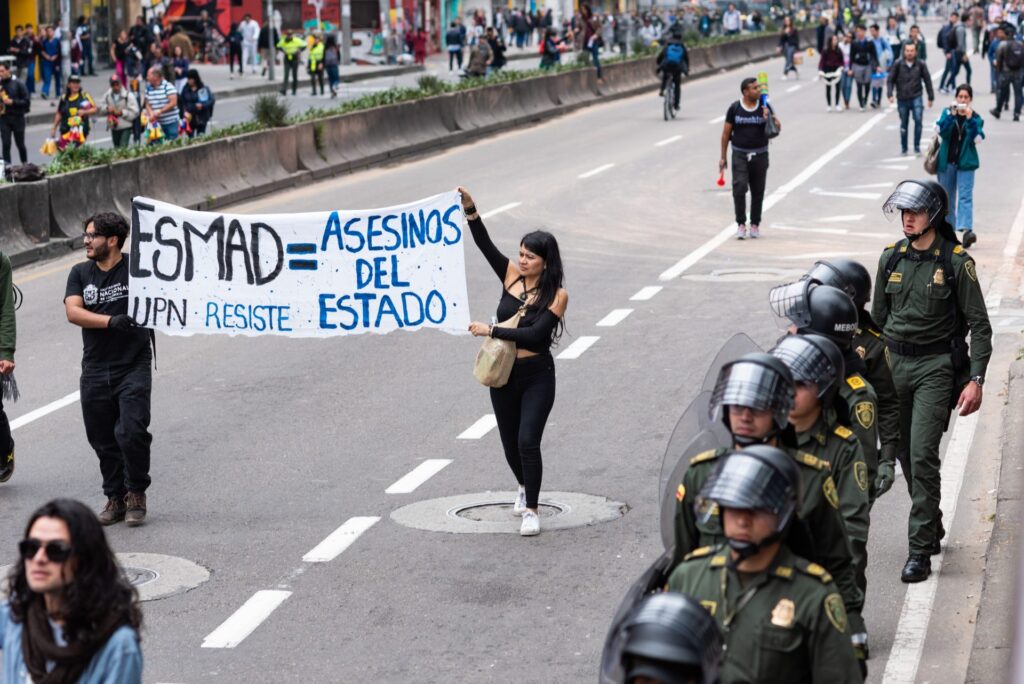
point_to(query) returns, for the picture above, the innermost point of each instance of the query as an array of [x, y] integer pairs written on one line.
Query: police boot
[[936, 548], [7, 466], [917, 569]]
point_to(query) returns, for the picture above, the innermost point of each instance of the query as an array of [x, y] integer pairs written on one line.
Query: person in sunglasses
[[71, 615]]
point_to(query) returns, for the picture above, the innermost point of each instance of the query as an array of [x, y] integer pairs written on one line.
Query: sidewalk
[[218, 77]]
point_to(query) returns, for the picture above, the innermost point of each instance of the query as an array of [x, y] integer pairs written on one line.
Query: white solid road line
[[31, 416], [646, 293], [908, 643], [246, 619], [341, 538], [420, 474], [480, 427], [576, 349], [503, 207], [717, 119], [831, 231], [793, 89], [890, 167], [847, 195], [594, 172], [668, 141], [614, 318], [869, 186], [844, 218], [809, 171]]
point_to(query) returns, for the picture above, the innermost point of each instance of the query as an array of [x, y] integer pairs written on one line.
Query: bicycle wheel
[[672, 104], [667, 104]]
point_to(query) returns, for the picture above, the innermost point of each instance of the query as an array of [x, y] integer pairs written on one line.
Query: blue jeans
[[959, 185], [51, 71], [170, 131], [846, 85], [788, 51], [905, 107], [595, 57]]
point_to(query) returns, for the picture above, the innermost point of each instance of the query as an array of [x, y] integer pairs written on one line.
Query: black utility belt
[[907, 349]]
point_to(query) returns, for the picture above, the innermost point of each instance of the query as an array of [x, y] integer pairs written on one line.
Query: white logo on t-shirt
[[90, 293]]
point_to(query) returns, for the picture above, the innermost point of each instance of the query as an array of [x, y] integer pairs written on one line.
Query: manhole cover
[[140, 576], [500, 512], [752, 274], [491, 512]]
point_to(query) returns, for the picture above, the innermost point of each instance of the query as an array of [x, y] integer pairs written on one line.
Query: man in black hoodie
[[14, 104]]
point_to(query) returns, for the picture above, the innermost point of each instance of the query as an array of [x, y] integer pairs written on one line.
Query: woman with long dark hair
[[534, 282], [72, 615], [196, 103]]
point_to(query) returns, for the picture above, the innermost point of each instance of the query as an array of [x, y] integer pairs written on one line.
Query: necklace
[[528, 293]]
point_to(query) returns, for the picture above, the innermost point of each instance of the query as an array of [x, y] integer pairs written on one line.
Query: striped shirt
[[158, 97]]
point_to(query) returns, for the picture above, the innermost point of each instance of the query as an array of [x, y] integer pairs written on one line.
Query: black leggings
[[521, 408], [863, 90], [828, 92]]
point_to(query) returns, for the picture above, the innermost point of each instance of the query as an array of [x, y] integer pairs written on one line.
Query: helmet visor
[[827, 274], [791, 303], [748, 483], [911, 196], [805, 361], [754, 386]]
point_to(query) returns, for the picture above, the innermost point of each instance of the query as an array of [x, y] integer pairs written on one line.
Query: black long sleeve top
[[535, 329]]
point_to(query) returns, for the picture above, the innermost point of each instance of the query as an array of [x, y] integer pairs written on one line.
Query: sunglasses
[[56, 551]]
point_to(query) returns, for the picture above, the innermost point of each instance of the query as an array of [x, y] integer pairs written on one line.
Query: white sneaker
[[838, 108], [828, 109], [519, 507], [755, 231], [741, 232], [531, 525]]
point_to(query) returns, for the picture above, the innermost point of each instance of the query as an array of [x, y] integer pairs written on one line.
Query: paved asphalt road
[[264, 447]]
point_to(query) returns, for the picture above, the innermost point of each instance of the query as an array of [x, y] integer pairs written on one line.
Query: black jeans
[[1007, 80], [291, 66], [522, 407], [115, 408], [453, 57], [749, 170], [677, 76], [6, 440], [13, 125], [314, 78]]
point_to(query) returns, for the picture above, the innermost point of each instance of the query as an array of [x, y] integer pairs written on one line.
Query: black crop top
[[535, 327]]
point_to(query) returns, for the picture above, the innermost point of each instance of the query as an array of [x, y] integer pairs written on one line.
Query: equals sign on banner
[[302, 264]]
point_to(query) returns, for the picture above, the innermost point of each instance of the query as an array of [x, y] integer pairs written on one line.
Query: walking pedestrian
[[927, 297], [830, 67], [864, 62], [179, 62], [197, 101], [959, 128], [161, 104], [71, 615], [116, 380], [21, 48], [789, 44], [74, 112], [453, 40], [83, 32], [250, 31], [947, 40], [292, 47], [315, 66], [268, 39], [50, 62], [122, 109], [119, 55], [419, 46], [909, 78], [846, 82], [332, 61], [235, 52], [30, 53], [744, 127], [883, 54], [1010, 72], [533, 289], [760, 586], [8, 343], [14, 105]]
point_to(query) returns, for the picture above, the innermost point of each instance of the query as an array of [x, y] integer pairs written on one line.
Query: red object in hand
[[721, 179]]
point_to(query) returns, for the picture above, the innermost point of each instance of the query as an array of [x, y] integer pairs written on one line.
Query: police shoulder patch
[[855, 382], [708, 455], [813, 461], [784, 572], [969, 267], [958, 249], [865, 413], [710, 606], [718, 561], [860, 475], [828, 488], [836, 612], [844, 432], [700, 553]]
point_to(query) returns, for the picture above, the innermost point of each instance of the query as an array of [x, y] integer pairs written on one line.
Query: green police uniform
[[786, 624], [838, 446], [916, 305], [868, 343], [819, 509], [860, 397]]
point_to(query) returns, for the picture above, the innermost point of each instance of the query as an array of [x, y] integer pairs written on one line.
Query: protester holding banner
[[116, 380], [522, 405]]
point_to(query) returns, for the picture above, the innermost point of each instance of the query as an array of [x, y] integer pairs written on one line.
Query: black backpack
[[1014, 58]]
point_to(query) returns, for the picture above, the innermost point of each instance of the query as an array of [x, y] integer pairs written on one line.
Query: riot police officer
[[852, 278], [671, 639], [817, 367], [781, 615], [927, 298], [814, 308], [753, 397]]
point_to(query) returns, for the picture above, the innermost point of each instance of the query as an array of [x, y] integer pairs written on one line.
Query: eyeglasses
[[89, 237], [56, 551]]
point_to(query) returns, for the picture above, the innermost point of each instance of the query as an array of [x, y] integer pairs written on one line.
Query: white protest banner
[[302, 275]]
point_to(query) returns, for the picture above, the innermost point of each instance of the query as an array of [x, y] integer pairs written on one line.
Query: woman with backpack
[[196, 104], [959, 127]]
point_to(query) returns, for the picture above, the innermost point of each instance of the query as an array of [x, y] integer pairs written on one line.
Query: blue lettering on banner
[[369, 310], [255, 317], [391, 232]]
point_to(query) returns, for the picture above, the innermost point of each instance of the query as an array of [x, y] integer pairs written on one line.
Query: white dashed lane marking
[[246, 619], [502, 208], [420, 474], [646, 293], [342, 538], [576, 349], [594, 172], [480, 427], [31, 416], [668, 141], [614, 318]]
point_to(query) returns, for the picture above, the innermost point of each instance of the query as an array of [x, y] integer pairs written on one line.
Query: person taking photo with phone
[[959, 128]]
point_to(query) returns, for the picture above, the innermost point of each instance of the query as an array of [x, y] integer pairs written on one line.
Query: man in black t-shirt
[[116, 378], [745, 123]]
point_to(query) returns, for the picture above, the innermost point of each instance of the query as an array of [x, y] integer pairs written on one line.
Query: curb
[[35, 118]]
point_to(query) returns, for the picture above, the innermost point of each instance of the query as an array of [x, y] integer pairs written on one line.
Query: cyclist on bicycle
[[673, 61]]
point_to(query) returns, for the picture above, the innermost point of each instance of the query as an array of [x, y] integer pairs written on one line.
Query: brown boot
[[113, 512], [136, 513]]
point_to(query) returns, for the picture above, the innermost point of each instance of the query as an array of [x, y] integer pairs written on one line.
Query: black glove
[[122, 322], [886, 476]]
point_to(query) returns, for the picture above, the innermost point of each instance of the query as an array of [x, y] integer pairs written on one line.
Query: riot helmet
[[848, 275], [813, 358], [760, 477], [672, 638], [816, 308], [757, 381], [921, 196]]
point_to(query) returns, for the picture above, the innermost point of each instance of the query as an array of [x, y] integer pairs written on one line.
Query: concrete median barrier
[[418, 126], [533, 96], [124, 184], [75, 196], [576, 88], [314, 155], [287, 148], [356, 139], [260, 168]]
